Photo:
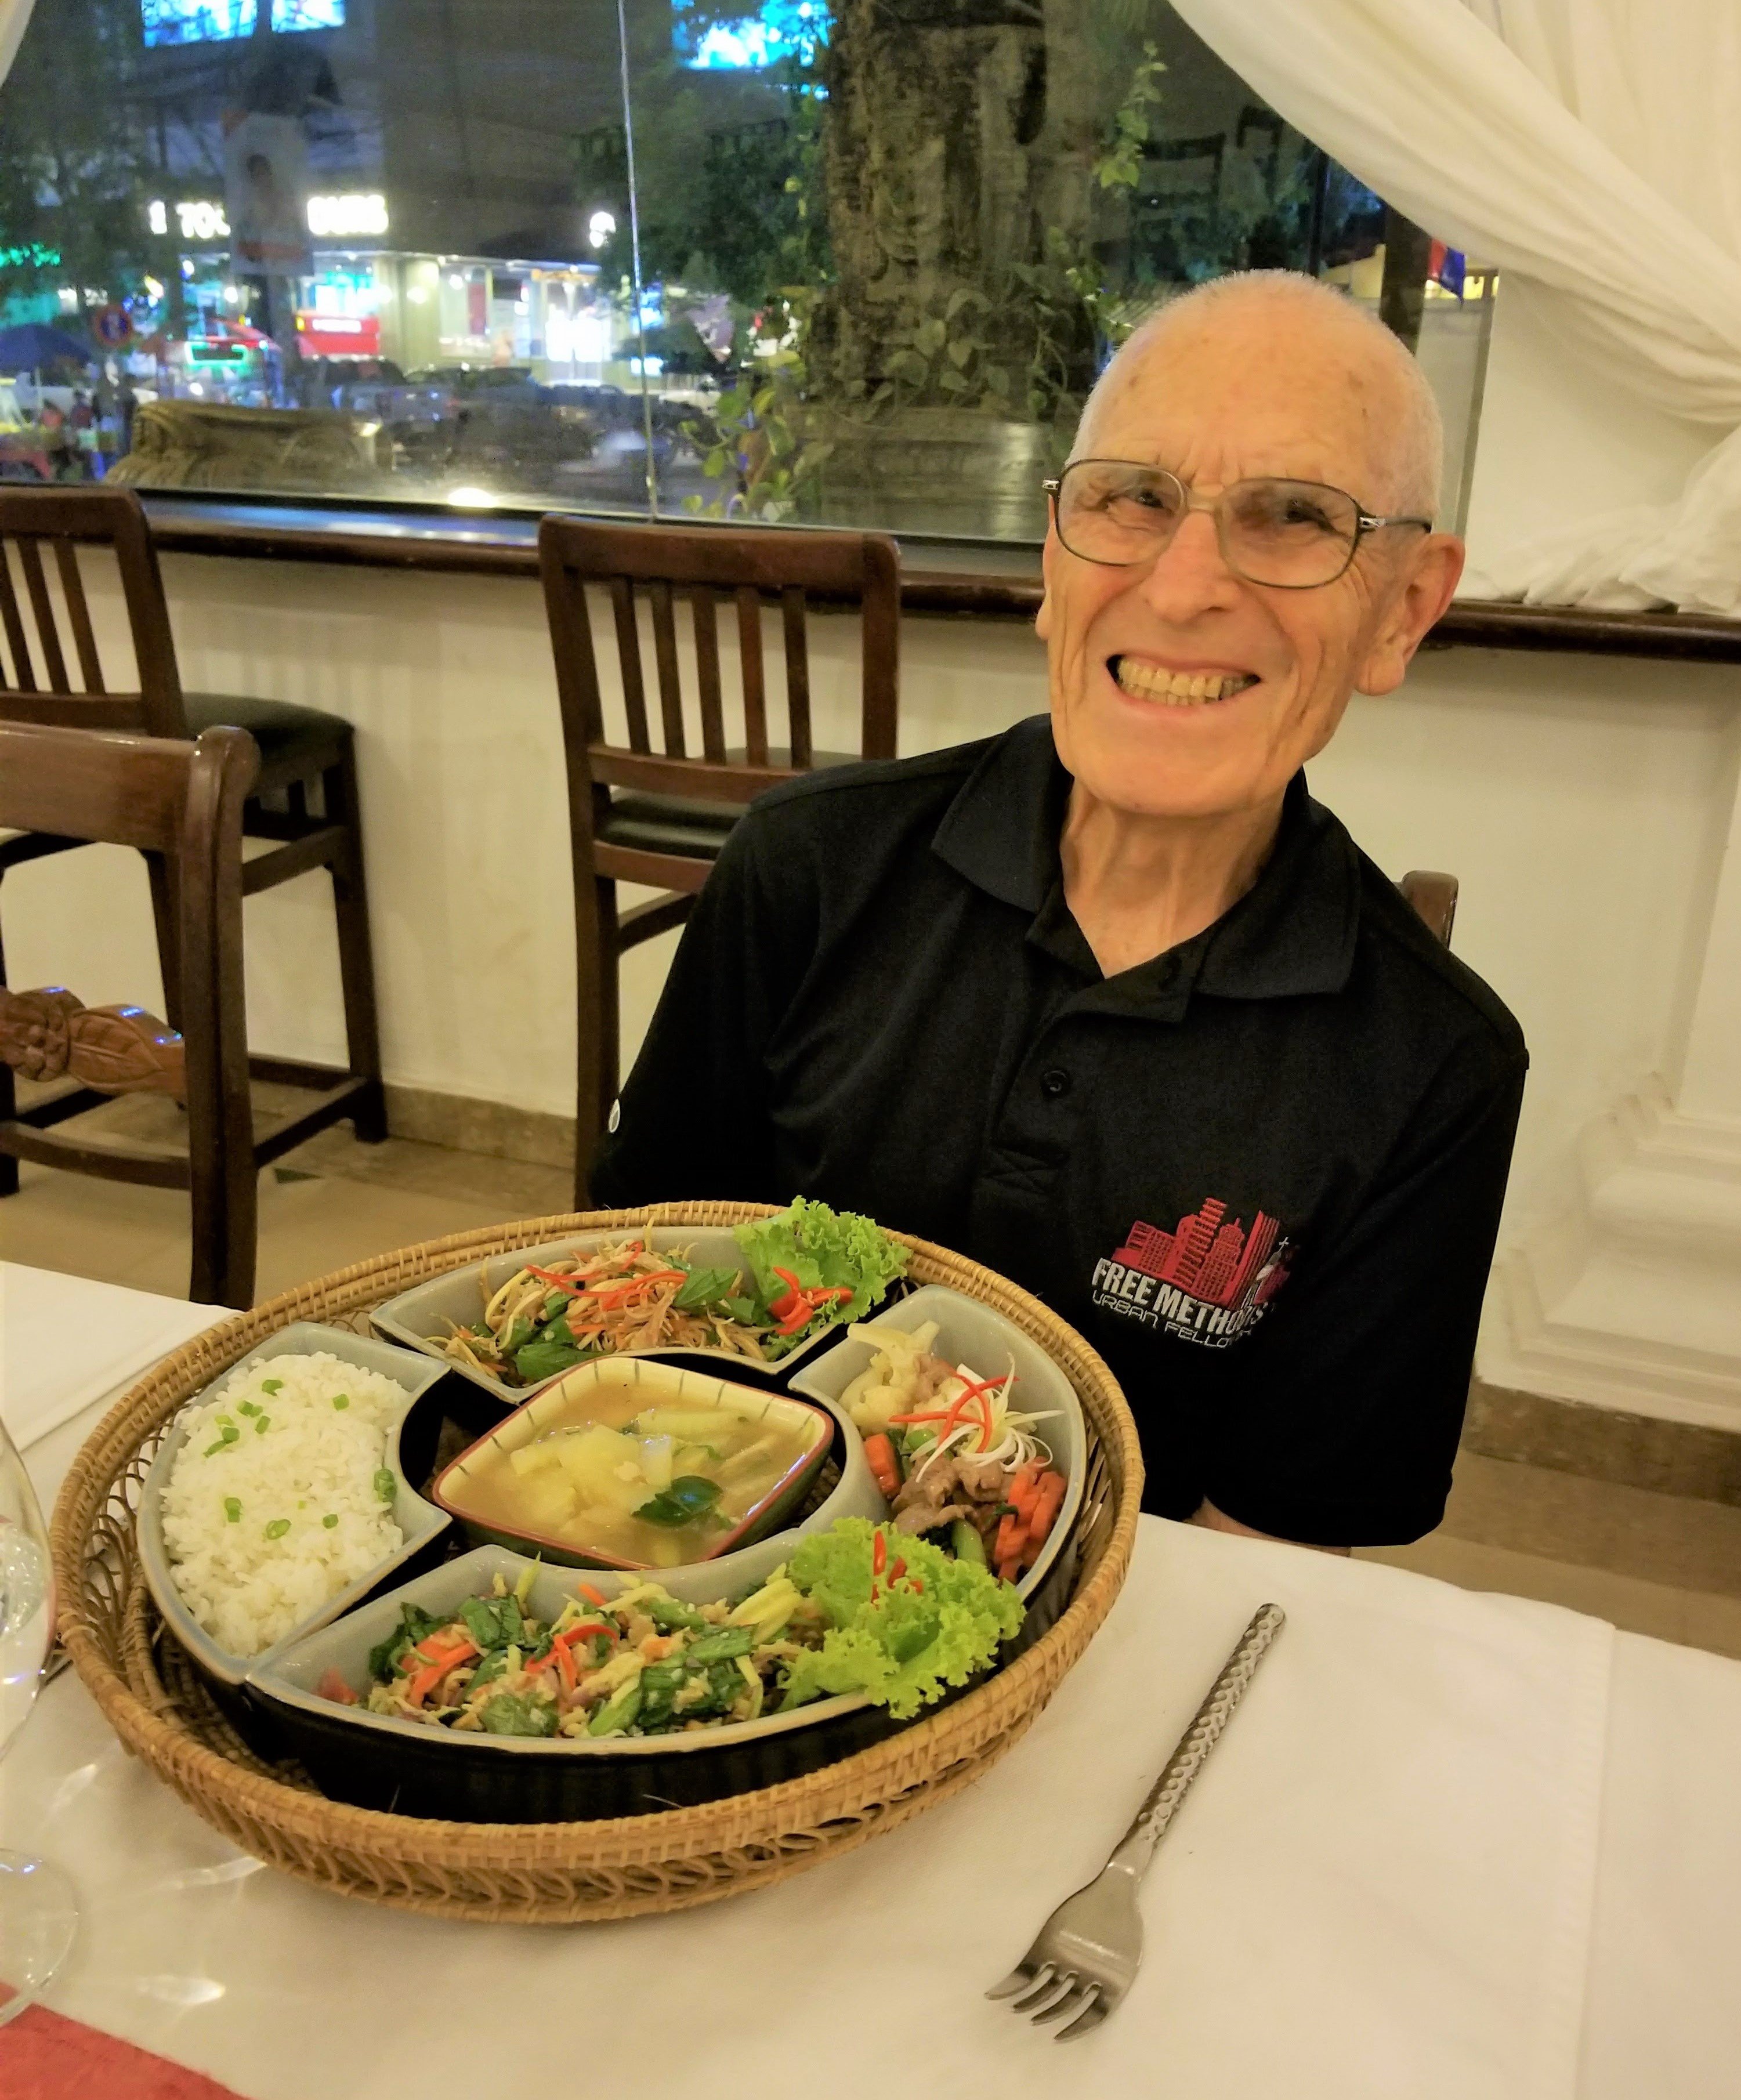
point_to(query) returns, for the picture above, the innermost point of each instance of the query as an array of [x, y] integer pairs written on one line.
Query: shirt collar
[[1293, 933]]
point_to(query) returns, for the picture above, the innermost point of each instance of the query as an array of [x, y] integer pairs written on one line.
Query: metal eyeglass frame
[[1364, 521]]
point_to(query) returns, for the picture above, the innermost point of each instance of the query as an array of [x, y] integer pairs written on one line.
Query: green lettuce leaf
[[902, 1646], [822, 1247]]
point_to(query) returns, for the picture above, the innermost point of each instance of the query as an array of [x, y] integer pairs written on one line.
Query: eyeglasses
[[1286, 535]]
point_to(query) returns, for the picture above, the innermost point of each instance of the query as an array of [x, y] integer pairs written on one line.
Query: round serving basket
[[550, 1874]]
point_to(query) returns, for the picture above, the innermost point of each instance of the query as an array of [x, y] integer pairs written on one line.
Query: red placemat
[[44, 2057]]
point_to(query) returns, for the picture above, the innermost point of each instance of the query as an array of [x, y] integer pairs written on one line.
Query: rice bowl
[[281, 1496]]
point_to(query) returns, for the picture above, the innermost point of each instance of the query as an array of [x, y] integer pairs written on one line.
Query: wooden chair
[[1435, 896], [183, 803], [655, 815], [306, 798]]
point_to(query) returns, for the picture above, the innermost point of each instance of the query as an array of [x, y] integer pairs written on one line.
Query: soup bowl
[[502, 1496]]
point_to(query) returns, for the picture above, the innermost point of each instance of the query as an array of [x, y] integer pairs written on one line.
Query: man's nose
[[1189, 576]]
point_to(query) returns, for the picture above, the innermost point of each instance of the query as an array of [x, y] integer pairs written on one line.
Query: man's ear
[[1048, 562], [1430, 584]]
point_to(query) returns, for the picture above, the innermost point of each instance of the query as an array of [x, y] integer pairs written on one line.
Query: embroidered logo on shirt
[[1209, 1281]]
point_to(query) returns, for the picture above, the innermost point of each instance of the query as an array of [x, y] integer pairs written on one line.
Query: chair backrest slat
[[54, 663], [1434, 896], [665, 657], [749, 565], [628, 657], [67, 519], [707, 674], [797, 674], [755, 685], [22, 679], [125, 790], [84, 640]]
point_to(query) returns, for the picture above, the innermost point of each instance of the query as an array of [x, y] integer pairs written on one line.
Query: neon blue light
[[291, 15], [220, 21], [777, 30], [196, 21]]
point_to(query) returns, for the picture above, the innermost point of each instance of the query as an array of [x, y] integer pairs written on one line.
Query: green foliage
[[1120, 163], [75, 172]]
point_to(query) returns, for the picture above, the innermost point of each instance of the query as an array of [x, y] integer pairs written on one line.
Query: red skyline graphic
[[1210, 1255]]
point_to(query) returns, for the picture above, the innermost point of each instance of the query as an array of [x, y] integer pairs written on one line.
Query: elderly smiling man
[[1108, 1002]]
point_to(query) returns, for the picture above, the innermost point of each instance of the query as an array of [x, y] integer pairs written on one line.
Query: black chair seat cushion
[[669, 824], [294, 741], [682, 824]]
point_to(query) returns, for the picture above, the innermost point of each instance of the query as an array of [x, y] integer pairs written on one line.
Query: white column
[[1711, 1074], [1632, 1300]]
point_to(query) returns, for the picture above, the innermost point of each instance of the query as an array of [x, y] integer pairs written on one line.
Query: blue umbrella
[[27, 348]]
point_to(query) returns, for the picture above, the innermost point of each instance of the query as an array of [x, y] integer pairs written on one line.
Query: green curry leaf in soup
[[689, 1498]]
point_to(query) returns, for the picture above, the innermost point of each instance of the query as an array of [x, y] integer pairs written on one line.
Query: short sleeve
[[692, 1120], [1342, 1424]]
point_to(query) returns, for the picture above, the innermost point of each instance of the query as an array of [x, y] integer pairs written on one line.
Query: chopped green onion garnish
[[246, 1407], [271, 1385], [330, 1522], [232, 1510], [278, 1526], [224, 1421], [261, 1425], [230, 1433], [341, 1400], [386, 1486], [212, 1448]]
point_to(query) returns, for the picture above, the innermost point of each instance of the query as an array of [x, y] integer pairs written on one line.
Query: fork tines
[[1050, 1994]]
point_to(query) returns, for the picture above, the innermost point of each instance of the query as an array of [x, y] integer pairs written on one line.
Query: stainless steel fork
[[1086, 1954]]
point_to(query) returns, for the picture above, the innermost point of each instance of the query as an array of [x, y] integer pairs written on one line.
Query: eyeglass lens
[[1288, 533]]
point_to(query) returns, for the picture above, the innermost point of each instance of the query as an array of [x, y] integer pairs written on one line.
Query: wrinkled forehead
[[1217, 404]]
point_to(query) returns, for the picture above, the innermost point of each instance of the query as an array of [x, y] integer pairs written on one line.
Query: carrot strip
[[880, 1455], [1048, 1501], [426, 1680], [592, 1596]]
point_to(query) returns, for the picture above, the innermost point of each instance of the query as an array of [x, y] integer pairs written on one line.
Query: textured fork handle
[[1137, 1848]]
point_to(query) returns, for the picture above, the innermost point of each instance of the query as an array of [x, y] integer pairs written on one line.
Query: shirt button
[[1055, 1084]]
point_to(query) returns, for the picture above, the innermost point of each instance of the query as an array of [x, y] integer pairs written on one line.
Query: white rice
[[297, 1461]]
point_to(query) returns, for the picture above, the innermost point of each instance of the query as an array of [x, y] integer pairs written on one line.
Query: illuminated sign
[[354, 212], [196, 21], [202, 219], [339, 335], [219, 21], [761, 36]]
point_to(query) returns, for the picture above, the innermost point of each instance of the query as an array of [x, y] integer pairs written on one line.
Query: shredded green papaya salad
[[859, 1608], [808, 1269]]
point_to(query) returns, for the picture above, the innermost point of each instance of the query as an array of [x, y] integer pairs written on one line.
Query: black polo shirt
[[1262, 1173]]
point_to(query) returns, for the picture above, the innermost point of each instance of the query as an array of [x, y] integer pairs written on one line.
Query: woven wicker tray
[[545, 1873]]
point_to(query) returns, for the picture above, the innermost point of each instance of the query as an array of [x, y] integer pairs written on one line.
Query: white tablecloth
[[1454, 1844]]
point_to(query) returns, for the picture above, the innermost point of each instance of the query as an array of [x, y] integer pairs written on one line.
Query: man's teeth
[[1179, 689]]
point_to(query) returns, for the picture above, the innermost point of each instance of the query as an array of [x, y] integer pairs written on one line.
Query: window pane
[[873, 255]]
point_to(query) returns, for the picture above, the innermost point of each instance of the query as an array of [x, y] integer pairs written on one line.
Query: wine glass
[[38, 1912]]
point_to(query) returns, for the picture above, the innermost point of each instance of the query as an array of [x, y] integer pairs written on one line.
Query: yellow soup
[[626, 1474]]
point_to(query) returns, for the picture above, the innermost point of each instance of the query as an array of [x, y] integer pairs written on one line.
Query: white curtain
[[1591, 150], [14, 16]]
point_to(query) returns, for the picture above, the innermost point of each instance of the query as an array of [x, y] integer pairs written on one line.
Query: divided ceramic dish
[[972, 1334], [419, 1521], [652, 1384], [378, 1761], [418, 1318]]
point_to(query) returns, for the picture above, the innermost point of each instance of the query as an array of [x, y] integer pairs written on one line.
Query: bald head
[[1266, 331]]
